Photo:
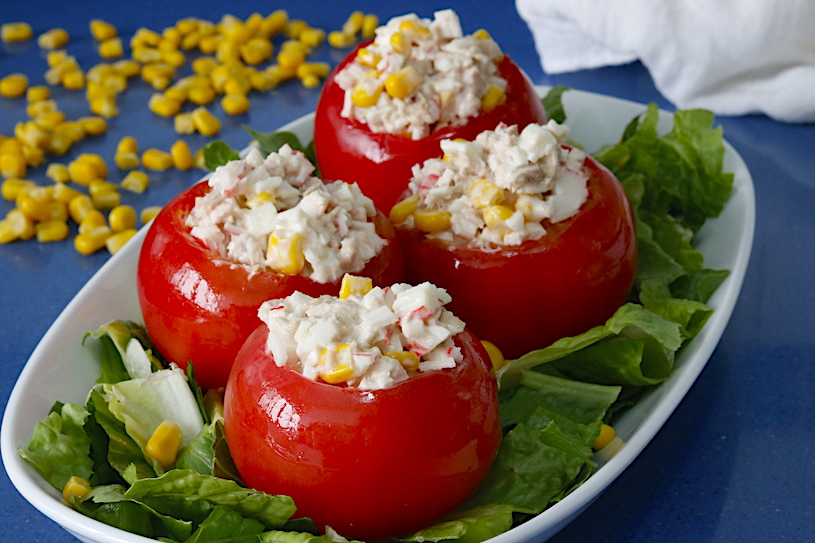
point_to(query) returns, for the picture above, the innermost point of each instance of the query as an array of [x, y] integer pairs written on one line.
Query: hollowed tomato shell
[[526, 297], [200, 308], [370, 464], [381, 163]]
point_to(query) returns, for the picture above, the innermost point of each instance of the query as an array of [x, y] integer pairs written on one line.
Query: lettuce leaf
[[469, 526]]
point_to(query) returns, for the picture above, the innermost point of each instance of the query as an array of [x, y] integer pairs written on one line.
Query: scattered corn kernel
[[136, 181], [13, 187], [63, 193], [13, 85], [102, 30], [164, 106], [182, 158], [369, 26], [121, 218], [605, 437], [94, 126], [340, 39], [149, 213], [20, 226], [52, 230], [17, 31], [156, 159], [164, 444], [58, 172], [182, 123], [115, 242], [37, 94], [79, 207], [312, 36], [205, 122], [94, 219], [13, 165], [53, 39], [353, 25], [127, 161], [235, 104], [90, 242], [111, 48], [76, 487]]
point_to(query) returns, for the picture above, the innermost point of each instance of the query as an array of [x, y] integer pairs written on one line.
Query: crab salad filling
[[497, 190], [419, 75], [272, 215], [370, 339]]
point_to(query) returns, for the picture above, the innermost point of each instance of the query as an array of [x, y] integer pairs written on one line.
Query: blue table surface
[[735, 462]]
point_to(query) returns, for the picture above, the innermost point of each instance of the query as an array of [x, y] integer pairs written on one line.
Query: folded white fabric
[[732, 57]]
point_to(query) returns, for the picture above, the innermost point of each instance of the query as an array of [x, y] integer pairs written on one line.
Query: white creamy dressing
[[360, 338], [254, 199], [537, 177], [456, 72]]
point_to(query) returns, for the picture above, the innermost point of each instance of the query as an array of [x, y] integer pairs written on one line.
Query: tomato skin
[[197, 307], [525, 297], [370, 464], [381, 163]]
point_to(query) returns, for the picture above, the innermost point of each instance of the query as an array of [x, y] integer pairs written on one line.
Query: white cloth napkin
[[733, 57]]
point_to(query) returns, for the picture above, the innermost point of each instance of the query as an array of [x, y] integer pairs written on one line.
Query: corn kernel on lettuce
[[272, 214], [340, 340], [496, 190], [452, 77]]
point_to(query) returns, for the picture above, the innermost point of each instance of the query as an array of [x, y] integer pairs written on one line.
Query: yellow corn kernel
[[17, 31], [368, 58], [190, 41], [290, 60], [407, 359], [156, 159], [111, 48], [256, 51], [201, 95], [93, 126], [403, 83], [170, 38], [354, 284], [182, 158], [39, 94], [161, 105], [102, 30], [173, 57], [38, 108], [431, 221], [274, 23], [33, 207], [87, 167], [403, 209], [295, 27], [55, 58], [104, 106], [20, 225], [13, 165], [13, 187], [262, 81], [182, 123], [115, 242], [400, 43], [79, 207], [369, 25], [7, 234], [339, 374], [177, 94], [209, 44], [145, 37], [127, 68], [58, 173], [285, 255], [89, 242], [312, 36], [205, 122], [164, 444], [482, 34], [53, 39], [158, 75], [340, 39], [106, 199], [13, 85], [237, 85], [605, 437], [353, 24], [136, 181], [34, 156], [149, 213], [76, 487], [496, 215], [495, 354], [63, 193], [204, 65], [50, 120], [259, 199], [31, 134], [127, 144], [310, 81], [494, 97], [318, 69], [53, 230], [186, 26], [93, 220], [10, 146], [122, 217], [485, 193], [127, 161], [414, 29]]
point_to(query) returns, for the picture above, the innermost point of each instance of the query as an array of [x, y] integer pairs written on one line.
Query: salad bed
[[553, 400]]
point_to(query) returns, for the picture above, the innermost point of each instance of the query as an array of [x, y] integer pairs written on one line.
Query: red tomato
[[370, 464], [525, 297], [199, 308], [381, 163]]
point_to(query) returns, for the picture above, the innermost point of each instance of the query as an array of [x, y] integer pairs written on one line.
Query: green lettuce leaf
[[217, 153], [469, 526], [192, 496], [225, 525], [553, 105], [59, 447]]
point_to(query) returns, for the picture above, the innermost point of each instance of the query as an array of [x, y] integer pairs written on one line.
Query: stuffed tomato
[[257, 229], [388, 105], [533, 239], [376, 412]]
